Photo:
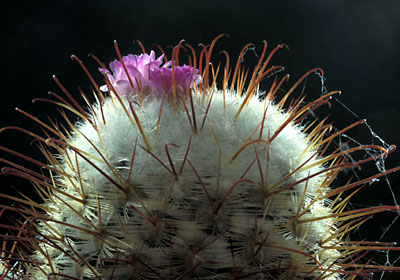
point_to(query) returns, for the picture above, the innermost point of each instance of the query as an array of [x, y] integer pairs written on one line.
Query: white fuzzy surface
[[188, 211]]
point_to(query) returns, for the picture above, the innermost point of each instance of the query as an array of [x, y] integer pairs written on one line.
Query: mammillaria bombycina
[[230, 183]]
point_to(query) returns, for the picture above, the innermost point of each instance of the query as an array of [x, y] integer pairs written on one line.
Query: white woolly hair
[[191, 189]]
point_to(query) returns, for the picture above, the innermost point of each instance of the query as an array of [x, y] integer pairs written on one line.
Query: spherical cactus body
[[166, 176]]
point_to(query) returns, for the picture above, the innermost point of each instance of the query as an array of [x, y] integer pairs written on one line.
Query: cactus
[[168, 177]]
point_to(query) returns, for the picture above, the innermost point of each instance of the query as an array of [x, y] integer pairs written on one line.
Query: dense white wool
[[247, 217]]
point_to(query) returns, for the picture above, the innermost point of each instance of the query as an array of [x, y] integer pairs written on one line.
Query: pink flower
[[149, 76]]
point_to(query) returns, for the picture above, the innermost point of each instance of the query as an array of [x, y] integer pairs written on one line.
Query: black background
[[357, 43]]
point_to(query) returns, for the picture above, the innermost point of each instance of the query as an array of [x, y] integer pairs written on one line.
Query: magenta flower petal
[[149, 75]]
